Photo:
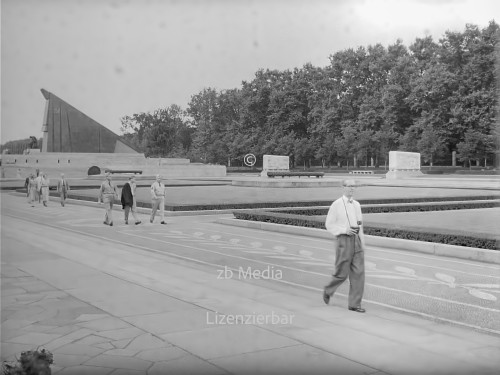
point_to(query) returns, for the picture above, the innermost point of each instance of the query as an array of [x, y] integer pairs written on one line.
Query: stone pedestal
[[403, 174], [274, 163], [403, 165]]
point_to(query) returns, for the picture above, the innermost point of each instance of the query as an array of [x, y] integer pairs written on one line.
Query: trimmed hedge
[[431, 171], [318, 211], [475, 172], [234, 206], [428, 199], [315, 210], [444, 237]]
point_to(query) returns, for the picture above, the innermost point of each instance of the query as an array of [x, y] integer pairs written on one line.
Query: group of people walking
[[108, 192], [37, 188], [343, 221], [37, 191]]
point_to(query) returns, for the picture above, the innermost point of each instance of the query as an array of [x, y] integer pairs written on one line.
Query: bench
[[361, 172], [112, 171], [295, 174]]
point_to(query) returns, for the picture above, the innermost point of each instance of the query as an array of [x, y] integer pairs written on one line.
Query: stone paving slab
[[186, 365], [169, 322], [229, 340], [403, 361], [94, 327], [299, 359]]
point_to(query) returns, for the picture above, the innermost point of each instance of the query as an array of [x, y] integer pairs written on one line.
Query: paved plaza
[[198, 297]]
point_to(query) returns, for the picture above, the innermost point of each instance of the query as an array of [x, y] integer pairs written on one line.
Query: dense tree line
[[431, 97]]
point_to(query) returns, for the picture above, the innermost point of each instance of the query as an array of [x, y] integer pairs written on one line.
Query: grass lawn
[[477, 221], [235, 194]]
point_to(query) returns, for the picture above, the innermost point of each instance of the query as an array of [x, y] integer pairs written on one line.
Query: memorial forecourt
[[216, 318]]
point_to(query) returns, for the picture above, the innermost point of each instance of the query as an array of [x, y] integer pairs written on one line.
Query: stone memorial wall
[[274, 163], [404, 164]]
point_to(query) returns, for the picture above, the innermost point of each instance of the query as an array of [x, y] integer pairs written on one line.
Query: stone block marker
[[275, 163], [403, 164]]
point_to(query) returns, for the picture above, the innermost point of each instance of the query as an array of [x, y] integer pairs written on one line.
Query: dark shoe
[[138, 222], [111, 224], [326, 298], [105, 223], [357, 309], [126, 222], [163, 223], [151, 221], [45, 204]]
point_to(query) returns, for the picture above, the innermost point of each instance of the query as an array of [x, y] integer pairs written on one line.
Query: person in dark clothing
[[26, 185], [128, 200]]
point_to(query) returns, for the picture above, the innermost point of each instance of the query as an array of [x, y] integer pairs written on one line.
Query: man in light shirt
[[44, 188], [344, 221], [107, 195], [38, 183], [63, 188], [158, 199]]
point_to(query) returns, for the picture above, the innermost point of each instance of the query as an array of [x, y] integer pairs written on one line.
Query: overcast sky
[[111, 58]]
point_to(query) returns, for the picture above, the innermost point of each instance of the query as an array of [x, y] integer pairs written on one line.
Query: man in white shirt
[[63, 188], [158, 199], [344, 221], [107, 195], [38, 183]]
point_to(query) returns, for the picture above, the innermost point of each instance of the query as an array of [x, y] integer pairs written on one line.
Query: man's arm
[[331, 223], [100, 196], [359, 215], [153, 192]]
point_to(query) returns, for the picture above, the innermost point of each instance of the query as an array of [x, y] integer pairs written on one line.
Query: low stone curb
[[461, 252]]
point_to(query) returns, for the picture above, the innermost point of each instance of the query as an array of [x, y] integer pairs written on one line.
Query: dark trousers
[[63, 197], [132, 209], [349, 262]]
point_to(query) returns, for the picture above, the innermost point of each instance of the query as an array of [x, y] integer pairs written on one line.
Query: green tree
[[430, 145], [216, 118], [161, 133], [346, 144], [475, 146]]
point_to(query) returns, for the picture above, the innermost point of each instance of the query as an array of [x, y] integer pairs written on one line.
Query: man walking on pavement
[[158, 199], [63, 188], [38, 182], [344, 221], [128, 199], [44, 188], [107, 195]]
